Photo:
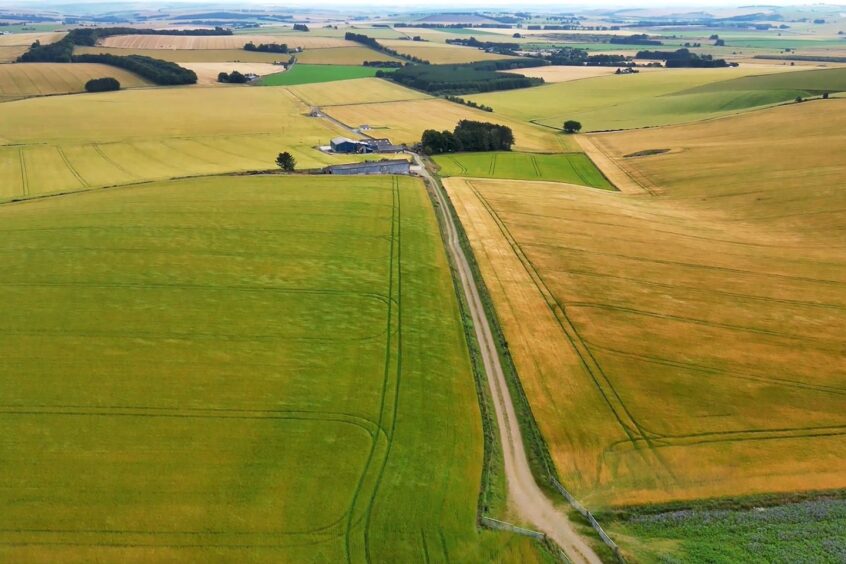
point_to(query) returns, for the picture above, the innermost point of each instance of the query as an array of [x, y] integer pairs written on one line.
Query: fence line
[[591, 519], [503, 526]]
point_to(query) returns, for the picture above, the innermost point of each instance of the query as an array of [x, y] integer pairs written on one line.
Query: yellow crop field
[[558, 73], [27, 39], [10, 53], [404, 122], [441, 53], [355, 91], [219, 41], [685, 342], [341, 56], [191, 55], [39, 79], [152, 134]]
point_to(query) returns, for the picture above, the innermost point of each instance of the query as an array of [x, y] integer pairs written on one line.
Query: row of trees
[[468, 136], [266, 47], [156, 71], [375, 45], [470, 103]]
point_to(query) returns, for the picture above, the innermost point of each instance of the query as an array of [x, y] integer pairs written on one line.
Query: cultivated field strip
[[710, 323], [199, 42], [256, 343], [40, 79]]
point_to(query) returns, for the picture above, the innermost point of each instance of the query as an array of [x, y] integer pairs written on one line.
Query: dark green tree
[[572, 126], [102, 84], [286, 161]]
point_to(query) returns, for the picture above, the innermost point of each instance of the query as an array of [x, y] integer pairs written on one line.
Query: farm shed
[[344, 145], [395, 166]]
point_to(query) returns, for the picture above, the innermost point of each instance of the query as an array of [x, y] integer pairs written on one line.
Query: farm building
[[346, 145], [395, 166]]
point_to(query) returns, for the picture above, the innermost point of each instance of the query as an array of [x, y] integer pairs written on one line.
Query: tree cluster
[[468, 136], [568, 56], [233, 77], [266, 47], [156, 71], [683, 58], [106, 84], [300, 27], [484, 76], [636, 39], [503, 47]]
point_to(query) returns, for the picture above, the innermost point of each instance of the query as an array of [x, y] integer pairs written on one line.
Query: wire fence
[[503, 526], [591, 519]]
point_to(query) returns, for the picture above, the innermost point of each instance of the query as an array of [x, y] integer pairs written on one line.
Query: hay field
[[219, 41], [23, 80], [685, 343], [631, 101], [207, 72], [188, 366], [573, 168], [341, 56], [441, 53], [191, 55], [404, 122], [355, 91], [66, 143]]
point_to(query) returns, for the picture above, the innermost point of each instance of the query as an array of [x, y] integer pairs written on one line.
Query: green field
[[656, 98], [573, 168], [306, 74], [237, 368], [815, 529]]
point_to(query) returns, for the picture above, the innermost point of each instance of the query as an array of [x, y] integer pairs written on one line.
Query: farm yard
[[328, 318], [597, 289], [405, 121]]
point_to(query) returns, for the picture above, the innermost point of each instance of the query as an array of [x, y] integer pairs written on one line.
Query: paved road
[[524, 494]]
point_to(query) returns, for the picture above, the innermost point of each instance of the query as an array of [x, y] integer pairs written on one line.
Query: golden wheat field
[[405, 121], [219, 41], [687, 341], [341, 56], [41, 79], [354, 91], [67, 143], [190, 55]]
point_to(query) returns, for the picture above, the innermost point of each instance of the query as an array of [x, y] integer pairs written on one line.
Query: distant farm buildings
[[346, 145], [393, 166]]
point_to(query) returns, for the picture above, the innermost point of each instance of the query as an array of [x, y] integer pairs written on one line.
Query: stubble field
[[686, 342], [189, 366]]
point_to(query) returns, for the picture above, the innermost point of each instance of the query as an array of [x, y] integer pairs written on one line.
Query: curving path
[[524, 494]]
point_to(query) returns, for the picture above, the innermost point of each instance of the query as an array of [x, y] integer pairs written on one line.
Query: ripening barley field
[[441, 53], [258, 369], [685, 342], [354, 91], [23, 80], [340, 55], [659, 98], [67, 143]]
